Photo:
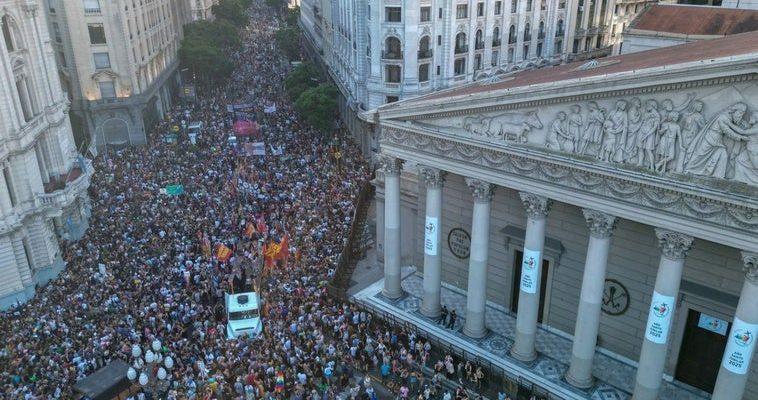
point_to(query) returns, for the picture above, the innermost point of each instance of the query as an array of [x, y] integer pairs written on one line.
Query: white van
[[195, 127], [243, 315]]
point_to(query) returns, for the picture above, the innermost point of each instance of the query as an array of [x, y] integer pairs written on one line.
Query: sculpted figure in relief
[[614, 133], [669, 141], [692, 122], [514, 126], [746, 163], [634, 121], [557, 137], [647, 135], [594, 132], [575, 123], [707, 154]]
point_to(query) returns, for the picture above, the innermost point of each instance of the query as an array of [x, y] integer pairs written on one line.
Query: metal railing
[[392, 55], [461, 49], [425, 53]]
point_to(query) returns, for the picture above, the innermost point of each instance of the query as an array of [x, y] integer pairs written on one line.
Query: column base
[[431, 312], [393, 295], [645, 393], [475, 334], [579, 383], [523, 357]]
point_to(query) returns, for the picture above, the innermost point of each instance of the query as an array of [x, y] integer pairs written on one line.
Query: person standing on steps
[[443, 316], [451, 321]]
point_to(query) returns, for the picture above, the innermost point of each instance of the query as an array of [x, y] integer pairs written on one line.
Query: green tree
[[293, 15], [221, 32], [318, 106], [302, 78], [207, 61], [231, 10], [288, 40]]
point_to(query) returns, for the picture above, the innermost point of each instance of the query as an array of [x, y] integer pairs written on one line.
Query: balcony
[[461, 49], [496, 42], [478, 45], [422, 54], [392, 55], [62, 192], [92, 11]]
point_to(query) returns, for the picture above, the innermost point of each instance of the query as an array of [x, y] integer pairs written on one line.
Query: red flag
[[223, 253], [249, 230], [261, 225], [284, 249]]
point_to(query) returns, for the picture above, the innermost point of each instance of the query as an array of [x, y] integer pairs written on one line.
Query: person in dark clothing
[[451, 322], [443, 316]]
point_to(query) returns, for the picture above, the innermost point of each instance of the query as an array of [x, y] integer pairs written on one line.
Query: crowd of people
[[144, 270]]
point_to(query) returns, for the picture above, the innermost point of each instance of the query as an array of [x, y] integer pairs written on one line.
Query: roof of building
[[696, 20], [728, 46]]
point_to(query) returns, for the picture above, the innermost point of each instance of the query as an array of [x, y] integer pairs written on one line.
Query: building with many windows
[[117, 60], [202, 9], [387, 50], [43, 181], [595, 224]]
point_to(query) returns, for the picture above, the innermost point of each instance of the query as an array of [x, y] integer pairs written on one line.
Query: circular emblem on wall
[[459, 242], [615, 297], [743, 337]]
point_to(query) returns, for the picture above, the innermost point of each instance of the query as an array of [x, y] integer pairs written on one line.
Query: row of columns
[[732, 376]]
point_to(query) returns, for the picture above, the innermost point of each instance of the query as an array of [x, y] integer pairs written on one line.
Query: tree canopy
[[232, 10], [288, 39], [318, 106], [302, 78]]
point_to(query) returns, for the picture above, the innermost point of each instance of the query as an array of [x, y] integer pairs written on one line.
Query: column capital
[[750, 266], [537, 207], [600, 224], [390, 165], [674, 245], [481, 190], [432, 177]]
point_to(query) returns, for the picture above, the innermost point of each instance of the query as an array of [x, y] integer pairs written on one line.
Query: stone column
[[674, 247], [434, 179], [740, 345], [537, 208], [391, 167], [5, 197], [477, 270], [601, 227]]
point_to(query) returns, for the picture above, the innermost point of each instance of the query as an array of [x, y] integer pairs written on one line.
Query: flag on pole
[[174, 190], [250, 230], [223, 253], [270, 109], [259, 149], [284, 249]]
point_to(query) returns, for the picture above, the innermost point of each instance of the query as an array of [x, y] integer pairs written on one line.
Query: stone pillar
[[434, 179], [477, 267], [740, 345], [588, 317], [674, 247], [537, 208], [6, 206], [391, 167]]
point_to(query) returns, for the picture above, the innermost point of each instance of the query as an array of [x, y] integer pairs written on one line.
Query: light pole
[[152, 371]]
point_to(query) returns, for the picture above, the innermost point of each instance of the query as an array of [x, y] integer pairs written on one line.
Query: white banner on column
[[740, 346], [430, 236], [659, 318], [530, 269]]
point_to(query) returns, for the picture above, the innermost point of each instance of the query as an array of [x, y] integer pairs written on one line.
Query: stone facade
[[117, 61], [640, 178], [43, 182], [202, 9]]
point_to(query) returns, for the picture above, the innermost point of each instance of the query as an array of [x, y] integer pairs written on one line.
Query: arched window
[[11, 35], [496, 37], [392, 48], [423, 48], [512, 34], [527, 32], [541, 32], [559, 28], [478, 43], [460, 43]]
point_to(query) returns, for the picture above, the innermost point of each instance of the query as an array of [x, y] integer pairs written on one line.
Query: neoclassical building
[[43, 182], [611, 202]]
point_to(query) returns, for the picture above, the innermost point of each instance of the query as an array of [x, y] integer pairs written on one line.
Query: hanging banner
[[430, 236], [530, 271], [659, 318], [740, 346], [712, 324]]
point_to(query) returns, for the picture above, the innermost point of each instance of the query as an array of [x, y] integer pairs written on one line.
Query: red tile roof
[[696, 20], [733, 45]]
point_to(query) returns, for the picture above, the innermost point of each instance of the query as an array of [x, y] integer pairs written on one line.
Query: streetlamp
[[151, 372]]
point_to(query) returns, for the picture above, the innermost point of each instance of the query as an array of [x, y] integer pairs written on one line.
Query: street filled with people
[[155, 264]]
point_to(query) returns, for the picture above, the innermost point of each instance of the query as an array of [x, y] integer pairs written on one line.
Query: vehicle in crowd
[[243, 315]]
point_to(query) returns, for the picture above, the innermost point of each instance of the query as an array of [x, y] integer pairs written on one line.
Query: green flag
[[174, 190]]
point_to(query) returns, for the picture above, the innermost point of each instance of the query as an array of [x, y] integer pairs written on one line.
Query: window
[[392, 14], [528, 5], [541, 30], [57, 33], [51, 6], [479, 9], [439, 40], [460, 66], [461, 45], [62, 59], [96, 33], [543, 5], [461, 11], [512, 34], [527, 32], [423, 48], [426, 14], [510, 55], [558, 47], [91, 6], [477, 62], [9, 42], [392, 73], [392, 99], [514, 6], [559, 28], [478, 42], [496, 37], [107, 90], [102, 60], [498, 7], [561, 4], [526, 52], [495, 57], [423, 72], [438, 70], [539, 49], [439, 14], [392, 48]]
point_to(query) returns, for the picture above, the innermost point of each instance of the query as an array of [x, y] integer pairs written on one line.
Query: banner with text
[[430, 235], [530, 271], [740, 346], [659, 318]]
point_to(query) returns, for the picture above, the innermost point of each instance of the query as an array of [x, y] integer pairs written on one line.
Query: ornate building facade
[[117, 61], [43, 184], [612, 202]]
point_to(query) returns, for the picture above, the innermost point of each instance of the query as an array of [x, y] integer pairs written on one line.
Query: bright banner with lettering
[[659, 318], [430, 235], [530, 270], [740, 346]]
